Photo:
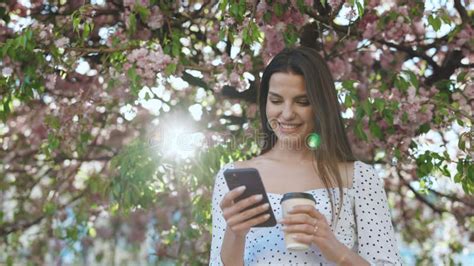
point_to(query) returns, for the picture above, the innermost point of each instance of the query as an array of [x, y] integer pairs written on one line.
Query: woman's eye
[[304, 103], [275, 101]]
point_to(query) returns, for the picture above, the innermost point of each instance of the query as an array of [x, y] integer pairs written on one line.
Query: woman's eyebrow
[[278, 95]]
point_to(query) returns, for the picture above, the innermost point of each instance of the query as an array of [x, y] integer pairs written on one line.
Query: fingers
[[251, 222], [228, 198], [241, 205], [236, 219], [300, 218], [306, 239], [308, 209], [299, 228]]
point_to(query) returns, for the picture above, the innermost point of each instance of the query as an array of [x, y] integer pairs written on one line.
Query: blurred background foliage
[[116, 116]]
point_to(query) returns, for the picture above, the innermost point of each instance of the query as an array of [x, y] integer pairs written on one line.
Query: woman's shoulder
[[364, 173], [250, 163]]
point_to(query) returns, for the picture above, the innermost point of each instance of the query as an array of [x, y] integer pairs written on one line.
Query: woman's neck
[[291, 153]]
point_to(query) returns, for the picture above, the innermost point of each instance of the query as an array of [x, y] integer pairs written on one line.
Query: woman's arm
[[311, 227], [233, 246], [230, 224], [375, 235]]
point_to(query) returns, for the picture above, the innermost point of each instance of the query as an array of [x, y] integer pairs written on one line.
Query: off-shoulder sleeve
[[218, 222], [375, 235]]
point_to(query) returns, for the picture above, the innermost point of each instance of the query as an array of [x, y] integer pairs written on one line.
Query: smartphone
[[250, 178]]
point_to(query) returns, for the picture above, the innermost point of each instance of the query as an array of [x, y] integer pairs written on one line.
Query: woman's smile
[[288, 127]]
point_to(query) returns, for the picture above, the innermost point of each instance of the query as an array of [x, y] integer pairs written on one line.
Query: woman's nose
[[288, 112]]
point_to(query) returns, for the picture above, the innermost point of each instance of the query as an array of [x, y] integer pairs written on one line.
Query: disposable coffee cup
[[288, 201]]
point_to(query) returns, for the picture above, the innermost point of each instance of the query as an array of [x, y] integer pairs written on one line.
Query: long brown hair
[[322, 95]]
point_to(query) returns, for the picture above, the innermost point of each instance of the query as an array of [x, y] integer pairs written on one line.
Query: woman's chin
[[291, 141]]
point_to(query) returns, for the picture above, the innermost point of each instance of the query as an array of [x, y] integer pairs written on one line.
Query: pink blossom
[[234, 78], [261, 9], [469, 91], [350, 46], [419, 27], [61, 42], [335, 3], [466, 35], [132, 3], [382, 124], [50, 81], [213, 34], [297, 18], [369, 31], [7, 71], [366, 58], [155, 21], [247, 62], [373, 3], [386, 59], [148, 63], [339, 68], [405, 144], [375, 93], [273, 40], [402, 10], [229, 21]]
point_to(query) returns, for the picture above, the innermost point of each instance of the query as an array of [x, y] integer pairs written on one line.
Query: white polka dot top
[[364, 225]]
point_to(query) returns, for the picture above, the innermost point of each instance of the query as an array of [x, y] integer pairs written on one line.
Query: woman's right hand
[[237, 221]]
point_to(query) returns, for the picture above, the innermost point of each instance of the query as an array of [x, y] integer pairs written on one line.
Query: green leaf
[[401, 84], [170, 69], [53, 141], [347, 101], [49, 208], [142, 11], [423, 128], [379, 104], [461, 76], [132, 22], [366, 105], [359, 131], [52, 121], [435, 22], [175, 45], [413, 79], [10, 260], [234, 9], [360, 8], [76, 20], [223, 5], [88, 27], [348, 84], [462, 142], [375, 129], [278, 8]]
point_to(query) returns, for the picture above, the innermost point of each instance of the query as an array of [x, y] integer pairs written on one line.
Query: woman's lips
[[288, 127]]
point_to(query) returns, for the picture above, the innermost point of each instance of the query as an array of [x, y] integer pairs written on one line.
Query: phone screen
[[250, 178]]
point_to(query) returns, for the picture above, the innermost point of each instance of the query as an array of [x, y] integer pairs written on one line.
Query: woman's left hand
[[309, 226]]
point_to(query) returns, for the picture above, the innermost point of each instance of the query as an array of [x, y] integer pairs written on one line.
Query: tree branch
[[412, 53], [468, 202], [436, 209], [462, 12]]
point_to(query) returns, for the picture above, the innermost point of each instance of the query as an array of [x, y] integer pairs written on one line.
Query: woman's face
[[289, 111]]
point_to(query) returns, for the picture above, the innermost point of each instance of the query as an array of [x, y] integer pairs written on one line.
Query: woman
[[298, 101]]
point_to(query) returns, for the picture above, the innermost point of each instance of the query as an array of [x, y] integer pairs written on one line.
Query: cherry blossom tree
[[116, 115]]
